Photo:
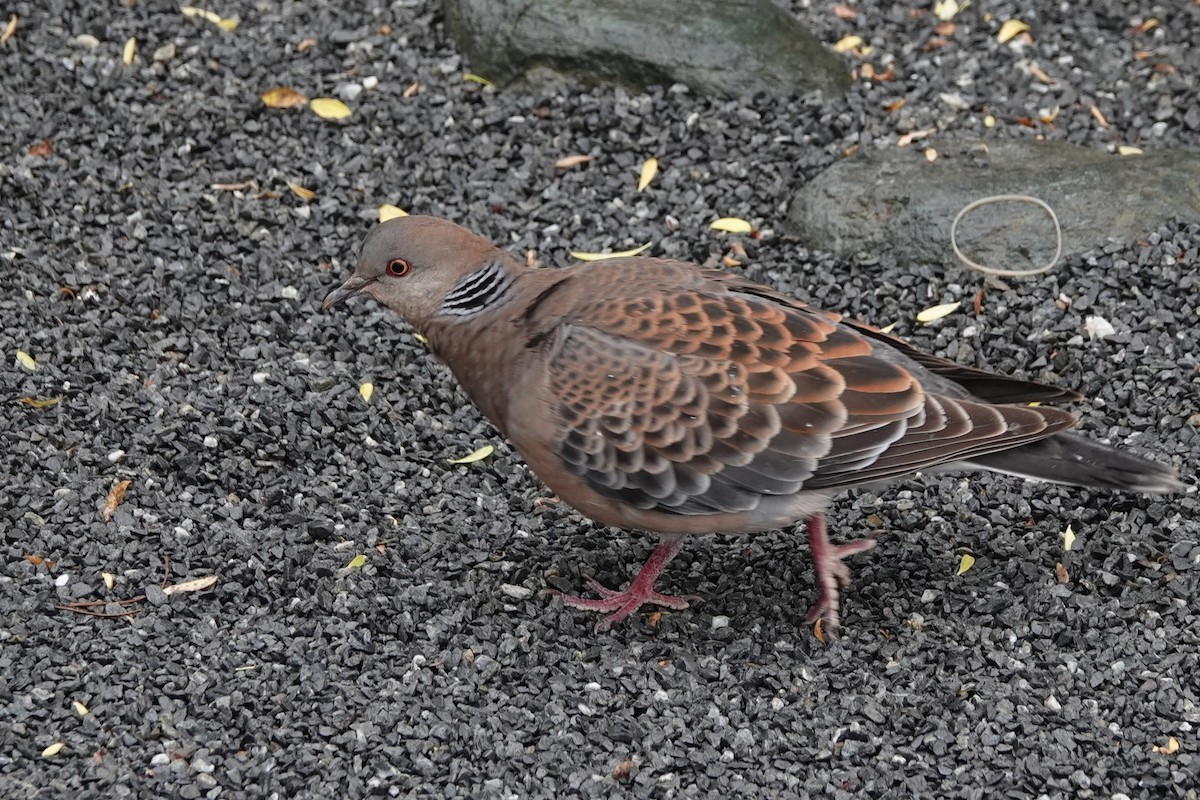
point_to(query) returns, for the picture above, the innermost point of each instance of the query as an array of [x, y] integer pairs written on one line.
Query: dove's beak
[[353, 285]]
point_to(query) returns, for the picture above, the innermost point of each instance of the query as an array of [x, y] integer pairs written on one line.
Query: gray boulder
[[721, 47], [895, 201]]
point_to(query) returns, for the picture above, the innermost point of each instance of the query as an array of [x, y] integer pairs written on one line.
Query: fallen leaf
[[9, 29], [977, 304], [1060, 573], [649, 170], [412, 89], [1169, 749], [478, 455], [1098, 116], [731, 225], [194, 585], [388, 211], [211, 16], [357, 561], [300, 191], [366, 390], [305, 44], [895, 105], [115, 495], [906, 139], [80, 708], [33, 402], [420, 337], [621, 769], [819, 630], [567, 162], [938, 312], [129, 52], [109, 580], [40, 149], [946, 9], [52, 750], [26, 361], [1068, 538], [888, 328], [282, 97], [1046, 116], [329, 108], [602, 256], [1146, 25], [847, 43], [965, 563], [473, 78], [1128, 150], [1010, 29], [35, 560]]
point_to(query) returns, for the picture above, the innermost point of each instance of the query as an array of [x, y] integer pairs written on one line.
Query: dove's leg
[[831, 572], [641, 591]]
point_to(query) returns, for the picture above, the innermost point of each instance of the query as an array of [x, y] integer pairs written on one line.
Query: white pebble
[[1053, 704], [289, 293], [210, 441], [260, 377], [116, 455], [516, 592], [1098, 327], [720, 622], [370, 82], [62, 580]]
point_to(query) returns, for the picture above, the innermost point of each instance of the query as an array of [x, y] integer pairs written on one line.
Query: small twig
[[86, 607]]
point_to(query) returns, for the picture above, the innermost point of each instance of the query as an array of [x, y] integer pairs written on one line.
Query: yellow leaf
[[52, 750], [1127, 150], [33, 402], [1169, 749], [282, 97], [210, 16], [26, 361], [649, 170], [130, 51], [1068, 538], [388, 211], [888, 328], [937, 312], [478, 455], [1010, 29], [946, 9], [300, 191], [420, 337], [966, 563], [567, 162], [602, 256], [194, 585], [80, 708], [9, 29], [473, 78], [847, 43], [731, 225], [357, 561], [329, 108], [366, 390]]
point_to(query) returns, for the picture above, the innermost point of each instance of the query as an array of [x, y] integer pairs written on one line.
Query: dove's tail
[[1072, 459]]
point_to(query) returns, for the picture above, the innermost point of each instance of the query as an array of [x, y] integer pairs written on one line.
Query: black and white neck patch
[[486, 287]]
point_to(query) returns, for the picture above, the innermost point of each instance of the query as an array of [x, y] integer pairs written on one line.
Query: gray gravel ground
[[192, 361]]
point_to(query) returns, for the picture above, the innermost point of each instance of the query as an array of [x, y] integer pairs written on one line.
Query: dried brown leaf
[[1099, 117], [1060, 573], [40, 149], [115, 496], [193, 585], [34, 402], [412, 89], [282, 97], [1037, 73], [844, 12]]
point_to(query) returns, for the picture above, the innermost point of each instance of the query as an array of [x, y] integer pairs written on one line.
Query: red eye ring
[[398, 267]]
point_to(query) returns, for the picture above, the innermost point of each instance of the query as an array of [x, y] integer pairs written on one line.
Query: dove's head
[[426, 267]]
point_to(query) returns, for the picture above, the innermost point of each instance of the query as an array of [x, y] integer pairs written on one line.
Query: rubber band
[[1006, 273]]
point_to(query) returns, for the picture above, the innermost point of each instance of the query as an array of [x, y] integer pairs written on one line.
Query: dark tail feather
[[1071, 459]]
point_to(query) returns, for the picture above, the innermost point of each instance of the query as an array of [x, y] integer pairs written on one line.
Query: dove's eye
[[398, 267]]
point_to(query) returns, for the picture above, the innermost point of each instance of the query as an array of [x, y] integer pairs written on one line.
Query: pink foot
[[641, 591], [831, 572]]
